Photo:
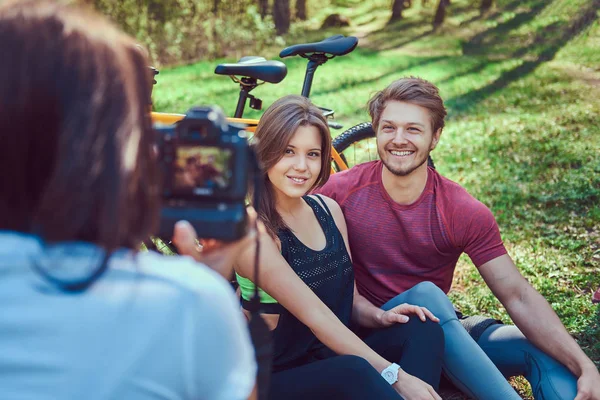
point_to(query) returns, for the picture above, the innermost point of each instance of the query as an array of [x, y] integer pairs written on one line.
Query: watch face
[[389, 376]]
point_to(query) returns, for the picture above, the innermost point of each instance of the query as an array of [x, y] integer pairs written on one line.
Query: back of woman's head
[[76, 154], [273, 133]]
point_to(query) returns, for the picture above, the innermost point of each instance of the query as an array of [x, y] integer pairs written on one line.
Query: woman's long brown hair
[[275, 130], [77, 141]]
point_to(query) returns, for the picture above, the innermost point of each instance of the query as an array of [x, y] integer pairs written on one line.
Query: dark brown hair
[[411, 90], [273, 133], [77, 141]]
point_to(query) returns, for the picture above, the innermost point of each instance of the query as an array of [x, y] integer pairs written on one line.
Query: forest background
[[521, 80]]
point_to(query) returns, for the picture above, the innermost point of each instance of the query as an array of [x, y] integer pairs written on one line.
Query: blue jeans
[[416, 346], [480, 368]]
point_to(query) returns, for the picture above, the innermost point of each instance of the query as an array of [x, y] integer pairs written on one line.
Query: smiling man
[[407, 227]]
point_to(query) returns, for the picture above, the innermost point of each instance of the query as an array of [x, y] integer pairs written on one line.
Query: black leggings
[[416, 346]]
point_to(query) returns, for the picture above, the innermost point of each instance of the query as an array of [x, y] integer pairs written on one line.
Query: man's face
[[405, 137]]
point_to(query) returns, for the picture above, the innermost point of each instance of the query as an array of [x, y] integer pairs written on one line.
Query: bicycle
[[251, 71]]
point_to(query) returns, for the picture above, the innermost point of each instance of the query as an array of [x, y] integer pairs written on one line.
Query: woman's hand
[[399, 313], [219, 256], [412, 388]]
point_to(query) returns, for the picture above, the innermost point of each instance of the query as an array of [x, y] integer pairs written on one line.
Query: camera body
[[204, 163]]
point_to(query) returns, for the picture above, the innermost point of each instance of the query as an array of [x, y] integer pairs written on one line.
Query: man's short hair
[[411, 90]]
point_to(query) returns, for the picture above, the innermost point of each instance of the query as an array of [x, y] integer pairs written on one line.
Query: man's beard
[[401, 172]]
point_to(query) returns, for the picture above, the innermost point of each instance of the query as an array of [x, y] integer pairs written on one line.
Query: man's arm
[[364, 313], [539, 323]]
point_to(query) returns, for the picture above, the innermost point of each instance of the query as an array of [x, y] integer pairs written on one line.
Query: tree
[[440, 13], [281, 16], [301, 10], [263, 8], [397, 8], [485, 6]]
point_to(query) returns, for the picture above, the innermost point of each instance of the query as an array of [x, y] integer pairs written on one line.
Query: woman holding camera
[[307, 272], [84, 314]]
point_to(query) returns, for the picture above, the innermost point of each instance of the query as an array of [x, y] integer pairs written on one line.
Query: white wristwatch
[[390, 374]]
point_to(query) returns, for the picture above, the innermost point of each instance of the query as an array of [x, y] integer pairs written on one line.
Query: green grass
[[522, 86]]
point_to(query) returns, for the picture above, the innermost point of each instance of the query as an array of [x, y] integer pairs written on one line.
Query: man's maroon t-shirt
[[395, 246]]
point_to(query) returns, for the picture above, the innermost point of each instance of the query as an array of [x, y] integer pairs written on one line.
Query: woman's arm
[[279, 280], [364, 313]]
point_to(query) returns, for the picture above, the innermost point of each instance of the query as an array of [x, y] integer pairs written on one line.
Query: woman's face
[[296, 172]]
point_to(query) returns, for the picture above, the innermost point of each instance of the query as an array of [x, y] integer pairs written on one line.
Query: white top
[[151, 327]]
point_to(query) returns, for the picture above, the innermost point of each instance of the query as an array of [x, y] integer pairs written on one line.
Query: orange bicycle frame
[[171, 118]]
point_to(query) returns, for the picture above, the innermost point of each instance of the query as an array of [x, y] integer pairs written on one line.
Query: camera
[[204, 163]]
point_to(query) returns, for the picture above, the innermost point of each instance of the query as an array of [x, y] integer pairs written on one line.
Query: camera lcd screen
[[201, 170]]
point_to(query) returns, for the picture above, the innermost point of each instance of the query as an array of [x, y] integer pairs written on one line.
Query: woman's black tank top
[[329, 274]]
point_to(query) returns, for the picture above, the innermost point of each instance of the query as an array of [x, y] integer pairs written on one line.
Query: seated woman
[[307, 272], [84, 314]]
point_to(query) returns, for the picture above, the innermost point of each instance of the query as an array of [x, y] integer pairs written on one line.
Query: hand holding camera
[[216, 254]]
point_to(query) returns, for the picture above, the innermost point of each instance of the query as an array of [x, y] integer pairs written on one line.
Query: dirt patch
[[587, 75]]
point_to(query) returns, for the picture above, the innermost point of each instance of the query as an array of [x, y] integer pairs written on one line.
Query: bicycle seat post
[[246, 85], [314, 60]]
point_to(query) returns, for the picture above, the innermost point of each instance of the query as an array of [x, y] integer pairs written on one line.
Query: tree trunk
[[440, 13], [263, 8], [215, 7], [485, 6], [301, 10], [397, 8], [281, 16]]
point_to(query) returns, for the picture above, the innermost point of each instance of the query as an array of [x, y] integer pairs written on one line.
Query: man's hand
[[588, 384], [219, 256], [412, 388], [399, 313]]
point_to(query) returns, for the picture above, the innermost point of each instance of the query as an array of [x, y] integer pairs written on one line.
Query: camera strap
[[74, 286], [259, 331]]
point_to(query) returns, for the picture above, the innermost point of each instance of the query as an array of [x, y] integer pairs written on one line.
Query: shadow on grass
[[483, 41], [547, 49], [391, 36], [390, 72], [491, 16], [371, 19], [401, 25], [473, 70], [393, 44], [399, 33], [457, 9]]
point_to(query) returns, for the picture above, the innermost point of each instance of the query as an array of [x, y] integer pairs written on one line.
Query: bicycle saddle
[[255, 67], [337, 45]]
